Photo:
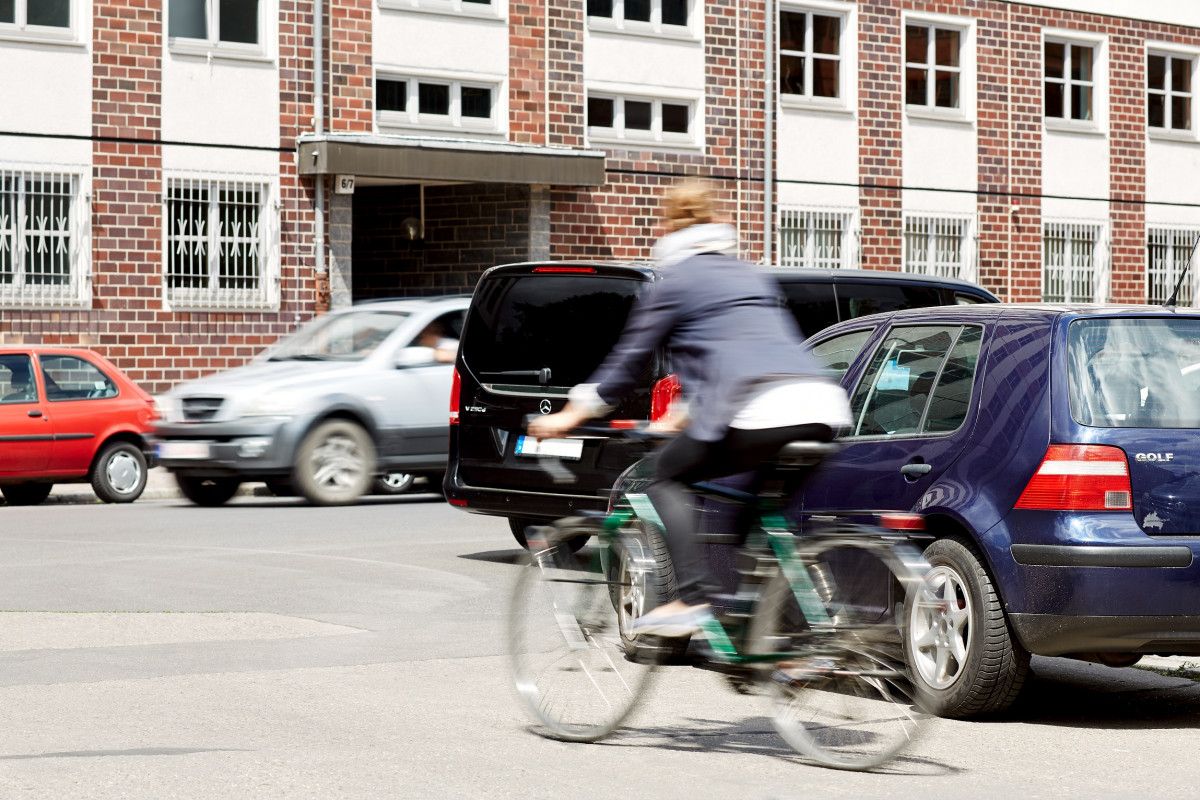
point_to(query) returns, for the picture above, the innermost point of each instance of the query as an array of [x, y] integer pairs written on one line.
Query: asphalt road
[[270, 649]]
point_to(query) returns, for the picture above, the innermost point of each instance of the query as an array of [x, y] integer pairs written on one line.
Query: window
[[16, 379], [661, 16], [838, 353], [932, 66], [435, 103], [217, 244], [810, 60], [1169, 92], [476, 8], [73, 378], [1168, 251], [1069, 81], [815, 238], [229, 24], [935, 246], [40, 261], [637, 118], [1069, 262], [26, 14], [919, 381]]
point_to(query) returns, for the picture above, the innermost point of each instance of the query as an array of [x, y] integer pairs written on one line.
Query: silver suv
[[354, 401]]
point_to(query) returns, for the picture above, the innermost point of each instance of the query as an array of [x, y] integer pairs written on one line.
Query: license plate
[[571, 449], [182, 450]]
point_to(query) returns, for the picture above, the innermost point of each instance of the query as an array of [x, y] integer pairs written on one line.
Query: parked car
[[534, 330], [1054, 451], [68, 415], [355, 401]]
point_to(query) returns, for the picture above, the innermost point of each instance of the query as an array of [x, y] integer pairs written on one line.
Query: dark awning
[[420, 159]]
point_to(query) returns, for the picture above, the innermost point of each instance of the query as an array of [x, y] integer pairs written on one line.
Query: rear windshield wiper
[[542, 375]]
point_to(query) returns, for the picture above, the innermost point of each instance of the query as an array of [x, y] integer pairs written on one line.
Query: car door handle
[[915, 470], [34, 413]]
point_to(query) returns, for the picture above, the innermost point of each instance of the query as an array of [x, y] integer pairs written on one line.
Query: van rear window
[[567, 323], [1135, 373]]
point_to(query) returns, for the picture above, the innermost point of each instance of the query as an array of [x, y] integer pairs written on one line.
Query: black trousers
[[684, 461]]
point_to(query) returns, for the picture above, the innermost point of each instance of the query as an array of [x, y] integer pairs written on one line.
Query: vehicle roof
[[45, 348], [782, 274], [1048, 310], [409, 303]]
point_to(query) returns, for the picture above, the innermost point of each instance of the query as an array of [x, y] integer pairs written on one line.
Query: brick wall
[[468, 228], [880, 109], [351, 88], [527, 31]]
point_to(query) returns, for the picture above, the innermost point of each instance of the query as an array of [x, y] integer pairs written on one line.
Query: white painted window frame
[[44, 34], [1098, 84], [77, 292], [494, 9], [1097, 272], [411, 118], [618, 24], [812, 221], [619, 134], [941, 225], [844, 57], [1170, 50], [215, 48], [215, 298], [1179, 241]]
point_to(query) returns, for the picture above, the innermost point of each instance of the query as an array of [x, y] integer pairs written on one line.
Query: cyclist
[[748, 386]]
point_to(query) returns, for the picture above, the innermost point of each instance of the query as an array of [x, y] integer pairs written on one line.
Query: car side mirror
[[415, 357]]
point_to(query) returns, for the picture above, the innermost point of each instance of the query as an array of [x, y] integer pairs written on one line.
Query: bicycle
[[815, 621]]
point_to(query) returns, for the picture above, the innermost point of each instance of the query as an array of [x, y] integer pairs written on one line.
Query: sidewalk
[[160, 485]]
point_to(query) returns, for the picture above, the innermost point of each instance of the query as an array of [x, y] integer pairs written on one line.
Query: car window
[[340, 337], [890, 398], [964, 299], [861, 299], [812, 304], [73, 378], [16, 379], [952, 394], [837, 354]]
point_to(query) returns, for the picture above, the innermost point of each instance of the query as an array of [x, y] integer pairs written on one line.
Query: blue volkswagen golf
[[1055, 451]]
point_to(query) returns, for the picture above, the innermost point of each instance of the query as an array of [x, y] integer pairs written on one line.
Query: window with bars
[[38, 252], [217, 244], [1169, 91], [1167, 253], [935, 245], [1069, 262], [815, 238]]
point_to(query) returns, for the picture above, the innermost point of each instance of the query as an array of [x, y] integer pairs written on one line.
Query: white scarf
[[712, 237]]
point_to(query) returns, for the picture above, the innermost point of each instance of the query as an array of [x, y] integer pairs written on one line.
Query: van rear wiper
[[542, 375]]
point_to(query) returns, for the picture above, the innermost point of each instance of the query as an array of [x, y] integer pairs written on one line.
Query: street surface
[[271, 649]]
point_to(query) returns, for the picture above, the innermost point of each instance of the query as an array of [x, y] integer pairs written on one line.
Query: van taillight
[[664, 393], [1080, 477], [455, 388]]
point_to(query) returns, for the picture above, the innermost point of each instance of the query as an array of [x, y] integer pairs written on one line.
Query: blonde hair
[[691, 201]]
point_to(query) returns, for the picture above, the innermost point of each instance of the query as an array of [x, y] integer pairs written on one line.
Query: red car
[[67, 415]]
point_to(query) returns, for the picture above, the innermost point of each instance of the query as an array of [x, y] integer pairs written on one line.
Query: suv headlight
[[273, 404]]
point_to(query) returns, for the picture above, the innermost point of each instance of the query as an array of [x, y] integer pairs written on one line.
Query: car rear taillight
[[568, 270], [664, 393], [455, 388], [1080, 477]]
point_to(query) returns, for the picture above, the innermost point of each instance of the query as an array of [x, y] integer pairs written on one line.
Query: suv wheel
[[965, 661], [393, 483], [207, 491], [26, 494], [334, 463], [119, 473], [518, 525]]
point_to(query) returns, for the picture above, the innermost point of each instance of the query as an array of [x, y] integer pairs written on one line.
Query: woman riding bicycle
[[748, 385]]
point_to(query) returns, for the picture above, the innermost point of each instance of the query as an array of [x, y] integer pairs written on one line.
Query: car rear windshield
[[340, 337], [522, 324], [1135, 373]]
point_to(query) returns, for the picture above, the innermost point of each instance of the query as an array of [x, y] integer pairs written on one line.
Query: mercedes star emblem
[[545, 407]]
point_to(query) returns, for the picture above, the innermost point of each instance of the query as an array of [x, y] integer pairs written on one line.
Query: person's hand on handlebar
[[553, 426]]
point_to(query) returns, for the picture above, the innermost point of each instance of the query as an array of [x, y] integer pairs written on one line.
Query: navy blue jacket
[[726, 328]]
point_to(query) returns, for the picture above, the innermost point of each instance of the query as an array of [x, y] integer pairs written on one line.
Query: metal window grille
[[217, 243], [815, 238], [936, 246], [1070, 267], [39, 247], [1167, 253]]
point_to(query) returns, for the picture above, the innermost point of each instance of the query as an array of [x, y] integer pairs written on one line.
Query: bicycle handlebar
[[622, 429]]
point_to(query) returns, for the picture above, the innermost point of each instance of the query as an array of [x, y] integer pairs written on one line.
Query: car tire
[[207, 491], [963, 657], [26, 494], [643, 578], [518, 525], [334, 463], [393, 483], [119, 473]]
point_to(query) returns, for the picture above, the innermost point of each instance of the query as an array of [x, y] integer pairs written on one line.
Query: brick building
[[181, 183]]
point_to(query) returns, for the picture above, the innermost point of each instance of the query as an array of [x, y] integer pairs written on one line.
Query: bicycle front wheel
[[567, 657], [837, 683]]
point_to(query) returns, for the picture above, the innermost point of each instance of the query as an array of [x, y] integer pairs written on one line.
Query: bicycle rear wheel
[[567, 657], [839, 691]]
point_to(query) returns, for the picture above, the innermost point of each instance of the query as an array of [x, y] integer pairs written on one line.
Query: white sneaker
[[671, 625]]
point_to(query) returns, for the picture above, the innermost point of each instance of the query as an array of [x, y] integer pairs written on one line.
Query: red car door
[[82, 404], [26, 434]]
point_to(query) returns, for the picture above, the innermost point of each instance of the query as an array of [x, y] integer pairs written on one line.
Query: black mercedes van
[[535, 330]]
